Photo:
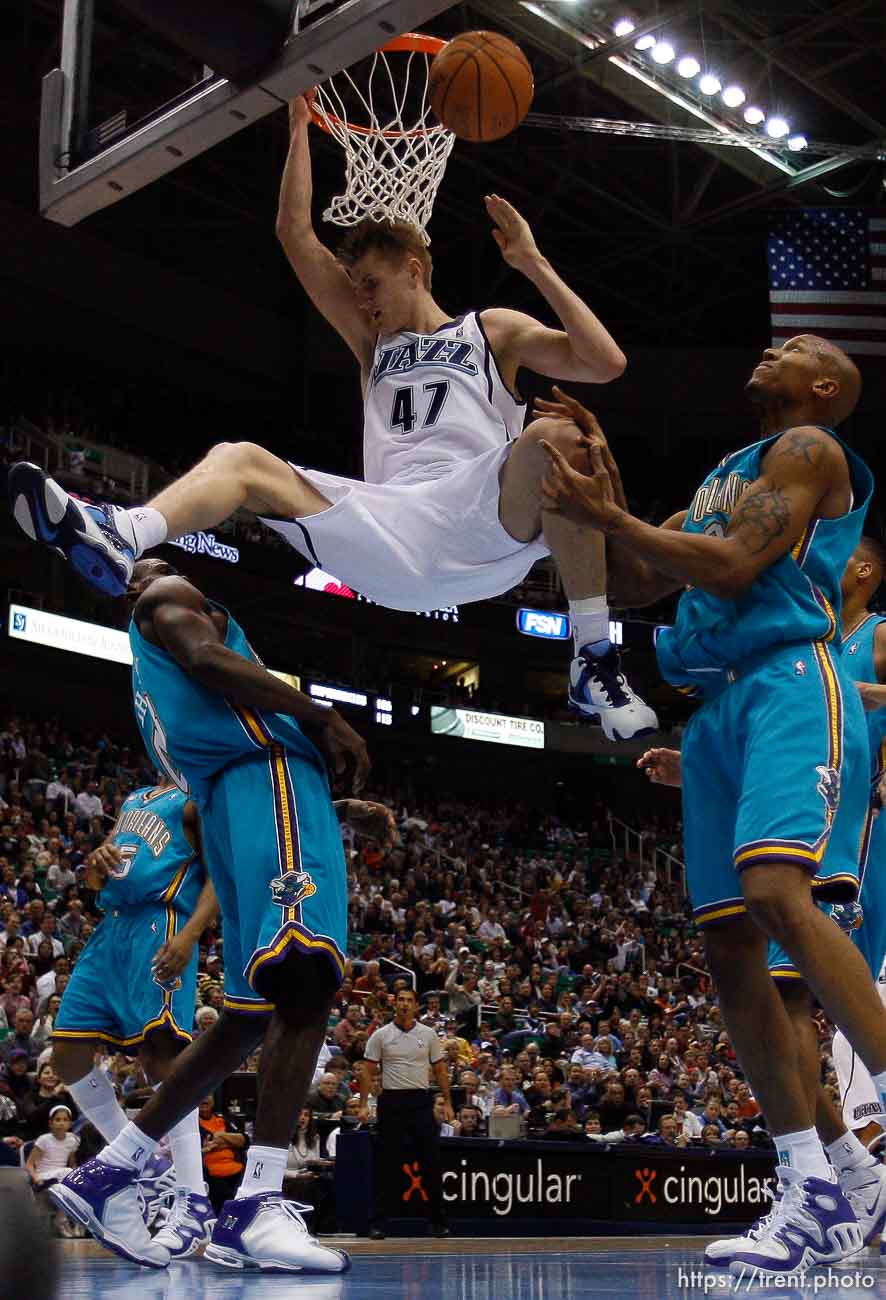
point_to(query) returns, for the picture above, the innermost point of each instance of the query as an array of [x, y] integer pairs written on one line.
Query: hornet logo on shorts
[[292, 888], [169, 986], [829, 786]]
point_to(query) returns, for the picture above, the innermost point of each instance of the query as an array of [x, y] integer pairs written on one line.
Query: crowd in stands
[[567, 984]]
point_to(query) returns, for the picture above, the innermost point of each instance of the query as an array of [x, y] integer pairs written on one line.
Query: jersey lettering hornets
[[158, 861], [796, 599], [432, 400]]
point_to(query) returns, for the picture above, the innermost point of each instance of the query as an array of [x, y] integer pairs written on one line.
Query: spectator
[[444, 1128], [88, 804], [223, 1149], [508, 1099], [21, 1040], [469, 1122], [349, 1025]]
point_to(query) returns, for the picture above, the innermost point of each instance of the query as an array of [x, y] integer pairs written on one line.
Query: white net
[[395, 149]]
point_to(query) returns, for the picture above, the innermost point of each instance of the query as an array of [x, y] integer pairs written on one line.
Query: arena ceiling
[[665, 237]]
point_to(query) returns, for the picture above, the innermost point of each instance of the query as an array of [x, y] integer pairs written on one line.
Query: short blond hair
[[396, 240]]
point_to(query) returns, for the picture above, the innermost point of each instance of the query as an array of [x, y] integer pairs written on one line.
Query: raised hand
[[582, 498], [512, 233]]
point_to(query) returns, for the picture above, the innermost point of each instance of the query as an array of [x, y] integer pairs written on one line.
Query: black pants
[[407, 1132]]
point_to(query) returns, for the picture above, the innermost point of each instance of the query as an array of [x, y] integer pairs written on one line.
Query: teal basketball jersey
[[858, 656], [159, 863], [193, 732], [795, 599]]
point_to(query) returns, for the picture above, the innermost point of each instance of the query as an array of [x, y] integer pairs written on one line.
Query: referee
[[405, 1052]]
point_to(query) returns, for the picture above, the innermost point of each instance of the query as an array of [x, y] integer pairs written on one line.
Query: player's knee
[[71, 1061], [728, 947], [244, 459], [774, 900], [562, 434]]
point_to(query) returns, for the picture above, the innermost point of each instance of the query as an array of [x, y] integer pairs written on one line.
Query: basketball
[[481, 86]]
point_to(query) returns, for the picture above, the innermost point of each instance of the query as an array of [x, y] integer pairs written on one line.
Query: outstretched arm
[[801, 469], [175, 615], [322, 276], [583, 350]]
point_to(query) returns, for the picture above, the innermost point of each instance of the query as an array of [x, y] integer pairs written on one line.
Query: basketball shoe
[[812, 1222], [267, 1232], [97, 540], [189, 1224], [598, 689], [105, 1199], [865, 1190], [720, 1254], [156, 1185]]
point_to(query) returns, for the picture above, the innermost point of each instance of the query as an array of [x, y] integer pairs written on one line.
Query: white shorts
[[861, 1101], [415, 546]]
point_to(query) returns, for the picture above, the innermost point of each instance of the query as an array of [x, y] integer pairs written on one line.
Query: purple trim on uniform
[[308, 944]]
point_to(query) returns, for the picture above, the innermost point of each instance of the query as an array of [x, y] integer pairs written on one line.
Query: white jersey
[[433, 400]]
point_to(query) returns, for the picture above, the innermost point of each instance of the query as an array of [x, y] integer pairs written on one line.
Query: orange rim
[[408, 43]]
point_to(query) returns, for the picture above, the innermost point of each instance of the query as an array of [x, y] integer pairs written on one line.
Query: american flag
[[827, 276]]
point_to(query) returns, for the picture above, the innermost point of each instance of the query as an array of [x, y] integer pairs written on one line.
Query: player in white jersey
[[450, 509]]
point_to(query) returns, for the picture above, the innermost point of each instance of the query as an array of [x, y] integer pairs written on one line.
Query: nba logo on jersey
[[800, 668], [853, 649], [829, 786], [292, 888]]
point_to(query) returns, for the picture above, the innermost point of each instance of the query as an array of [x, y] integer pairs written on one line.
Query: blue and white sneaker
[[812, 1222], [98, 540], [721, 1253], [189, 1225], [598, 690], [865, 1190], [156, 1185], [267, 1232], [104, 1198]]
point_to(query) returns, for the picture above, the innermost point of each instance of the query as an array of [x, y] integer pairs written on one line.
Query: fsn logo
[[645, 1177], [539, 622], [413, 1173]]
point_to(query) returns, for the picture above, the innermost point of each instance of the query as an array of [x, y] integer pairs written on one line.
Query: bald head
[[840, 371], [865, 572]]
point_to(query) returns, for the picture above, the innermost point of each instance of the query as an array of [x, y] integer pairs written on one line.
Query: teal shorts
[[273, 848], [776, 770], [112, 994]]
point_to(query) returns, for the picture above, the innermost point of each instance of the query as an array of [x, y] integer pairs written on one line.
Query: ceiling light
[[753, 115], [709, 84], [623, 27], [663, 52], [797, 142], [645, 42], [777, 127], [688, 66], [734, 96]]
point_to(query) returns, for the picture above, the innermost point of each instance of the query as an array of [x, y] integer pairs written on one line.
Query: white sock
[[590, 623], [131, 1149], [847, 1154], [264, 1171], [803, 1151], [187, 1154], [96, 1099], [149, 528]]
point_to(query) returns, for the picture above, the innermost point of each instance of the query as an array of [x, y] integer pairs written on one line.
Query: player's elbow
[[204, 662], [615, 364]]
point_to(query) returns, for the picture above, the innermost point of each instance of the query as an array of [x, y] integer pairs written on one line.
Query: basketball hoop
[[395, 150]]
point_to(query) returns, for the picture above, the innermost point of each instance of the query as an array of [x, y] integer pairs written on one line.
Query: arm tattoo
[[761, 516], [799, 444]]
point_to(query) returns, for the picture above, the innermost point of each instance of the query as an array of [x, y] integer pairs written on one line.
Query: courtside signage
[[61, 633], [468, 724]]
